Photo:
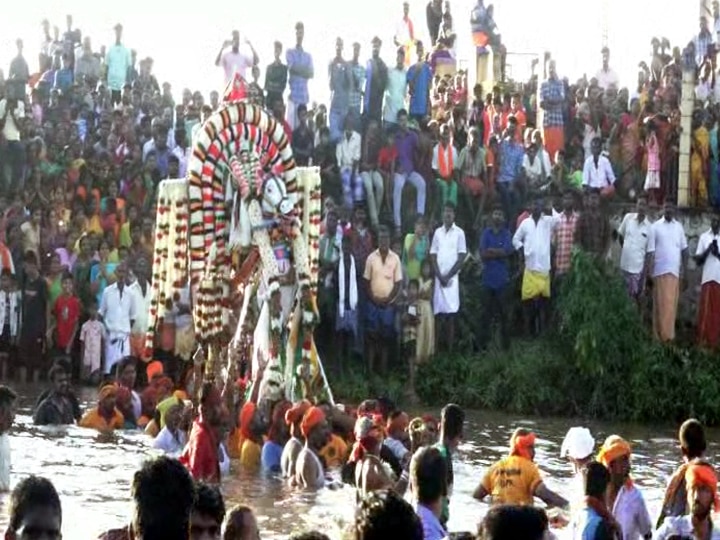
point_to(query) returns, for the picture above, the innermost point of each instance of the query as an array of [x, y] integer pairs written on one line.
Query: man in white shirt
[[634, 235], [606, 77], [142, 290], [708, 257], [532, 240], [598, 172], [12, 155], [234, 60], [395, 90], [118, 311], [447, 254], [347, 154], [669, 247]]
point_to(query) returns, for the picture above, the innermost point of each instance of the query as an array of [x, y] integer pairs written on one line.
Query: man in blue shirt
[[495, 249], [429, 484], [510, 170], [419, 79]]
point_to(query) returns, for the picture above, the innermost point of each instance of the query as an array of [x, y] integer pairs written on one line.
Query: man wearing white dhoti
[[118, 308], [447, 253]]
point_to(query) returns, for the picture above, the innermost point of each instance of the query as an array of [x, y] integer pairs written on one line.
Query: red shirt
[[386, 157], [67, 314], [201, 453]]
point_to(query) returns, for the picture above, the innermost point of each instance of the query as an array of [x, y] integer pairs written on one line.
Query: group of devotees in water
[[376, 448]]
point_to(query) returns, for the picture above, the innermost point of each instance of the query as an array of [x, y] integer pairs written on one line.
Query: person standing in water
[[309, 470], [578, 447], [692, 445], [291, 451], [594, 521], [516, 478], [623, 498], [7, 416], [452, 424], [34, 511], [702, 499]]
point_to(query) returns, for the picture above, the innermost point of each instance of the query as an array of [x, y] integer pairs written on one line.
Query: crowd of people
[[418, 174], [378, 451]]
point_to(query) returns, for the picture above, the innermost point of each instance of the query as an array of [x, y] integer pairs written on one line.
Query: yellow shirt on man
[[512, 480], [383, 275]]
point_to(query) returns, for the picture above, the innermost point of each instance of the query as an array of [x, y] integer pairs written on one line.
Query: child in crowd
[[7, 416], [9, 319], [91, 340], [426, 320], [66, 311], [652, 147]]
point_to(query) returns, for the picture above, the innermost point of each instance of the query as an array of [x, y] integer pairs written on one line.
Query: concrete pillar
[[687, 103]]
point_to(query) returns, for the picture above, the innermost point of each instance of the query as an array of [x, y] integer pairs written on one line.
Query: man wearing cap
[[301, 70], [309, 471], [606, 77], [118, 60], [623, 498], [578, 447], [702, 499]]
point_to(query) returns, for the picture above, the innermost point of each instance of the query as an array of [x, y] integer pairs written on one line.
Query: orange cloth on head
[[296, 412], [107, 391], [313, 417], [614, 447], [246, 416], [154, 369], [701, 474], [94, 420], [520, 445]]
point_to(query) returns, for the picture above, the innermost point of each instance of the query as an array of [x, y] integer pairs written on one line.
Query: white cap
[[578, 444]]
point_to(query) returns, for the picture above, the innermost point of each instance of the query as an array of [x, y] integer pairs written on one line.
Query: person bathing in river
[[251, 436], [105, 417], [278, 435], [623, 498], [57, 408], [578, 447], [291, 451], [201, 454], [702, 499], [692, 446], [129, 401], [452, 425], [516, 478], [309, 470], [7, 416], [371, 473], [594, 521], [429, 485], [171, 438], [241, 524], [398, 439]]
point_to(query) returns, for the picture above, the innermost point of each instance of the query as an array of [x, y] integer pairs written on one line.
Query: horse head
[[274, 198]]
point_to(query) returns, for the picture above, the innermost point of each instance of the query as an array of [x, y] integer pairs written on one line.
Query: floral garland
[[170, 257]]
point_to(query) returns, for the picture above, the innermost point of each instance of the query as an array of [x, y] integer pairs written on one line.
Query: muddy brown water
[[93, 474]]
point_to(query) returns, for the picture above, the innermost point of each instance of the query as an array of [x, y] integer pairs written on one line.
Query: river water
[[93, 473]]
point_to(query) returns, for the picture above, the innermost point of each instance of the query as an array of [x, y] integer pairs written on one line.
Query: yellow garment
[[512, 480], [125, 239], [94, 225], [335, 452], [93, 420], [233, 444], [613, 448], [250, 455], [699, 157], [534, 285]]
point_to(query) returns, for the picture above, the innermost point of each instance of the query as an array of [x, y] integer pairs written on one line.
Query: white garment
[[224, 460], [436, 156], [395, 93], [578, 443], [636, 236], [396, 447], [235, 62], [341, 285], [118, 309], [667, 242], [449, 247], [307, 454], [536, 172], [136, 404], [534, 239], [608, 78], [598, 177], [402, 31], [182, 156], [142, 303], [4, 462], [631, 513], [117, 346], [711, 268], [681, 527], [169, 443], [11, 131], [348, 150], [13, 298]]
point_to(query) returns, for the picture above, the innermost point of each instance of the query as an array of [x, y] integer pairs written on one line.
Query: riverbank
[[598, 362]]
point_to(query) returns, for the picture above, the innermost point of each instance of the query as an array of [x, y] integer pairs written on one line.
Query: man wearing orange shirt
[[105, 417]]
